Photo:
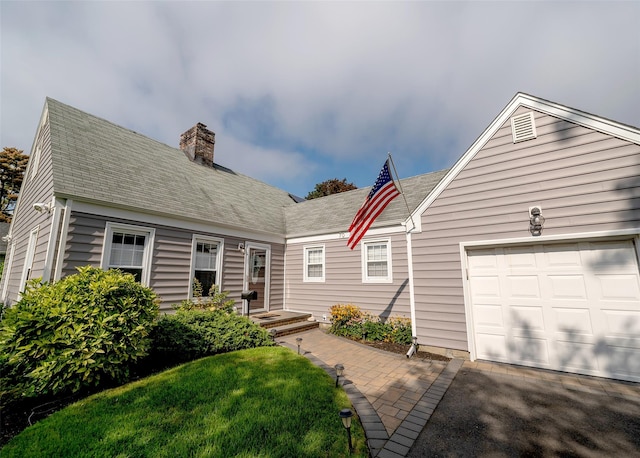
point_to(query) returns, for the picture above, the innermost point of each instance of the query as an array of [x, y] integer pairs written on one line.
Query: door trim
[[267, 271]]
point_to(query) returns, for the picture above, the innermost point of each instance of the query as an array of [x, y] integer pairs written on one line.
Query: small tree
[[332, 186], [12, 167]]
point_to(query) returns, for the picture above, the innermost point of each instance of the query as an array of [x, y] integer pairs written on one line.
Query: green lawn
[[262, 402]]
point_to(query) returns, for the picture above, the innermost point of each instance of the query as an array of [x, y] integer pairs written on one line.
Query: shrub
[[400, 330], [346, 319], [192, 334], [350, 321], [76, 333], [376, 330]]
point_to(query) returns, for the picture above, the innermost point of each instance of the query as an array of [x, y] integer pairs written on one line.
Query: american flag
[[383, 192]]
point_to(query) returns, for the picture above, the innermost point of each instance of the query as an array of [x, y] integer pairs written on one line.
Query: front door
[[257, 267]]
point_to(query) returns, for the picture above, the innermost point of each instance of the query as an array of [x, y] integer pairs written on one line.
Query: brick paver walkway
[[393, 396]]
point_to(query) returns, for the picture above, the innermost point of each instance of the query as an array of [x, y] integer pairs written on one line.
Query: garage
[[572, 307]]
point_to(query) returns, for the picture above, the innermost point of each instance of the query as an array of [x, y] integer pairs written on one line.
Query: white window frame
[[148, 232], [307, 278], [365, 272], [194, 244]]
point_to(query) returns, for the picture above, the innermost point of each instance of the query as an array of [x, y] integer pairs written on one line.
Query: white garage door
[[572, 307]]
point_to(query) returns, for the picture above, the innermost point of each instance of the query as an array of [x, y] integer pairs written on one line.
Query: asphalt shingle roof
[[101, 162], [98, 161], [334, 213]]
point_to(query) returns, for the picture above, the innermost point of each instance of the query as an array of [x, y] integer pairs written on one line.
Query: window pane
[[377, 265], [137, 273], [377, 252], [127, 250], [377, 269], [314, 256], [206, 255], [116, 256], [207, 279], [314, 271], [137, 255]]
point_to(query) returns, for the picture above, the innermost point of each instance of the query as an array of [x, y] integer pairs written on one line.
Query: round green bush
[[78, 332], [192, 334]]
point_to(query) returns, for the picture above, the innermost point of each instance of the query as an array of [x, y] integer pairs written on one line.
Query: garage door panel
[[562, 256], [621, 362], [522, 286], [569, 306], [519, 258], [492, 347], [622, 323], [489, 318], [577, 357], [611, 255], [529, 351], [482, 259], [526, 320], [486, 287], [573, 321], [618, 287], [567, 287]]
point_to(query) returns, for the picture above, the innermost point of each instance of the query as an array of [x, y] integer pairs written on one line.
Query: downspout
[[412, 297], [53, 239], [62, 244]]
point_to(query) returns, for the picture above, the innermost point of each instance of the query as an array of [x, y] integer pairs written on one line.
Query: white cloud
[[317, 86]]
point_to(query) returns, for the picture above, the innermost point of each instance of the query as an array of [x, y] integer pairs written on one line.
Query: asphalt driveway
[[486, 414]]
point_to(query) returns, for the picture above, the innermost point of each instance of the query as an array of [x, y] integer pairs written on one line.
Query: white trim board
[[159, 220], [389, 230]]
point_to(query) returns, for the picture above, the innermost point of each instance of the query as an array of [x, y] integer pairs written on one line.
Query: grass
[[262, 402]]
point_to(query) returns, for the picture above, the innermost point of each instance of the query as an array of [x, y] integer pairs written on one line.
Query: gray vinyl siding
[[171, 259], [38, 188], [276, 293], [585, 181], [343, 280]]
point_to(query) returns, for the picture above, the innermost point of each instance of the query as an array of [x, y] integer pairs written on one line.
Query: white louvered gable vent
[[523, 127]]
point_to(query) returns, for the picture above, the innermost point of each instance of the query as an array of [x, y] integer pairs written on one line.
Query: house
[[525, 251]]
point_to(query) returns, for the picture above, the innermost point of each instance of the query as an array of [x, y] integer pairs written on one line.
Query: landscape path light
[[299, 341], [345, 416], [339, 371]]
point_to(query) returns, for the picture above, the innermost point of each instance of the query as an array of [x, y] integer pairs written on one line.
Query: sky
[[301, 92]]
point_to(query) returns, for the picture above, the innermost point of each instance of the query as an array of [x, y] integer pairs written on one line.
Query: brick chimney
[[197, 143]]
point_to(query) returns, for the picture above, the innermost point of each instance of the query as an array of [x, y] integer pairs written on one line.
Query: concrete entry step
[[284, 322]]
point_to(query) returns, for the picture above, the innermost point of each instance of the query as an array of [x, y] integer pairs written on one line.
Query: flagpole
[[412, 294], [393, 165]]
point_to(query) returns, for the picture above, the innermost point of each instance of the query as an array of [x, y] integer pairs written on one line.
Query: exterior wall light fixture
[[536, 221], [42, 207]]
